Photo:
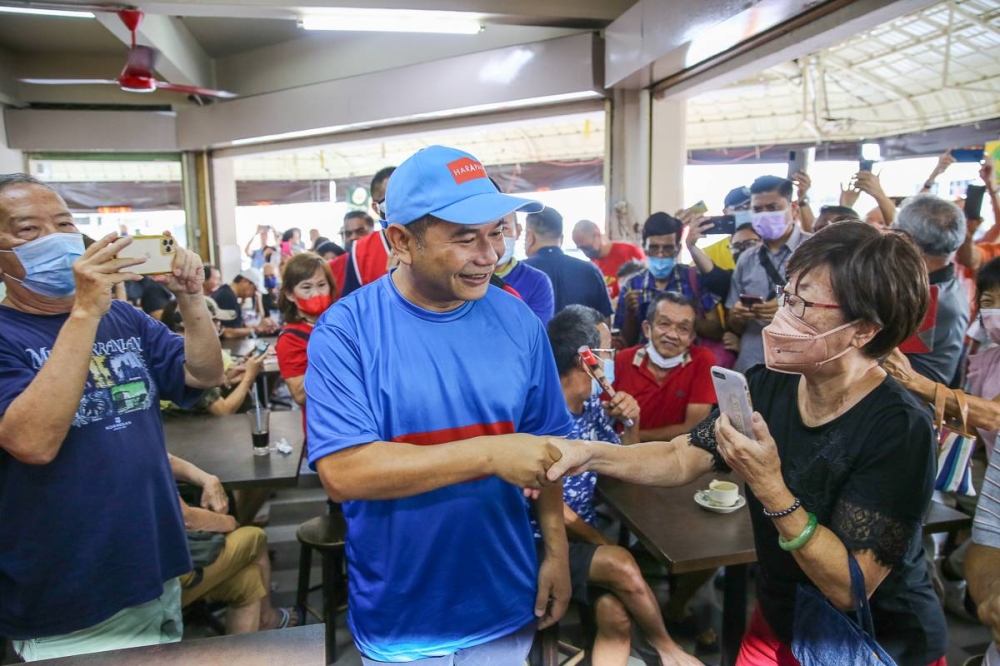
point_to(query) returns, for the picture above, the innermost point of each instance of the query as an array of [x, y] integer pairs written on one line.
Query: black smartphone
[[968, 154], [721, 224], [865, 165], [87, 241], [749, 300], [974, 202]]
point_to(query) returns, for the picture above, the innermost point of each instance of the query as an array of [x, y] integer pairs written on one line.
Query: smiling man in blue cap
[[429, 450]]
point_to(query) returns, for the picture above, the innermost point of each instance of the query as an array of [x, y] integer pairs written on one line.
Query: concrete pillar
[[668, 157], [11, 161], [223, 190], [628, 196]]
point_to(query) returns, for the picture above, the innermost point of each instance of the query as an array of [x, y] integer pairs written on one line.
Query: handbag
[[955, 447], [824, 636]]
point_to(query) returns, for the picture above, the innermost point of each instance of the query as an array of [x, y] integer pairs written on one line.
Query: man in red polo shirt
[[607, 255], [669, 378]]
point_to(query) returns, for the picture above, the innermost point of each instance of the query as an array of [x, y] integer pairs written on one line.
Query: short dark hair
[[841, 212], [573, 327], [547, 223], [287, 236], [380, 177], [208, 268], [360, 215], [419, 228], [988, 277], [669, 297], [14, 179], [876, 277], [329, 246], [782, 186], [661, 224]]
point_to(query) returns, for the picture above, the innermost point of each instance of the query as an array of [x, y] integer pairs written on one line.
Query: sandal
[[286, 617]]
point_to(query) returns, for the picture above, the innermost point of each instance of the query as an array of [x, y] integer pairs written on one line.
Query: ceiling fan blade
[[141, 61], [68, 82], [194, 90]]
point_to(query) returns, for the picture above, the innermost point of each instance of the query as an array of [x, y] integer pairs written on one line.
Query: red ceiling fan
[[138, 75]]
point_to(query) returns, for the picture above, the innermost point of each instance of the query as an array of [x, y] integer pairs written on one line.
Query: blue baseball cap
[[451, 185]]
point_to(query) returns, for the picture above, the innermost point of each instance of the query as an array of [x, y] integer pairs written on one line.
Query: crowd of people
[[450, 416]]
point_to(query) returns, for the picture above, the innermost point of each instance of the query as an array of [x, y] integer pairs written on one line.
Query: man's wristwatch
[[804, 201]]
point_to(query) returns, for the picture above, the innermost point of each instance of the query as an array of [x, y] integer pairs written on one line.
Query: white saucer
[[701, 497]]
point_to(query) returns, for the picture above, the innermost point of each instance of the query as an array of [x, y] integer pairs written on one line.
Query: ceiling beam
[[564, 13], [182, 60]]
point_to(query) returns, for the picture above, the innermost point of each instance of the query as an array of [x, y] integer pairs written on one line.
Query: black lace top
[[868, 476]]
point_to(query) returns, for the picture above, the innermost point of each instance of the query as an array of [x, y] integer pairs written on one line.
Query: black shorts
[[580, 557]]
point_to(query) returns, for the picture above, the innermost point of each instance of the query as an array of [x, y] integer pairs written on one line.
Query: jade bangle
[[802, 539]]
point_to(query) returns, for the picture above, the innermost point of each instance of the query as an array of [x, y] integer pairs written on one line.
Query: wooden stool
[[325, 534]]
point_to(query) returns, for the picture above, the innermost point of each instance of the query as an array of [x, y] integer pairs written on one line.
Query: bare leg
[[614, 632], [243, 619], [614, 568], [269, 616]]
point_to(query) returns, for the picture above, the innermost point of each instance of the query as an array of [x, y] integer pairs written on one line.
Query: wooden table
[[221, 445], [296, 646], [687, 538]]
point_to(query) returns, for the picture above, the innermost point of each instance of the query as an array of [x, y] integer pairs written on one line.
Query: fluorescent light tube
[[46, 12], [385, 20]]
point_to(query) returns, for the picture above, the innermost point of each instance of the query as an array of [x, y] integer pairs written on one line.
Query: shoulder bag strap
[[963, 408], [861, 607], [940, 402], [294, 331], [772, 273]]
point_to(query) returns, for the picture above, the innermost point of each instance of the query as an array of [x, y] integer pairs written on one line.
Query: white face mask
[[508, 251], [661, 361]]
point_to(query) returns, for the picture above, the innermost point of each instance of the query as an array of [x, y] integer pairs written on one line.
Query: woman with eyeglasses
[[842, 458]]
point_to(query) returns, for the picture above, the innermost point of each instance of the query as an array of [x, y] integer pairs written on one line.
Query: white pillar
[[223, 190], [668, 157], [11, 161], [629, 180]]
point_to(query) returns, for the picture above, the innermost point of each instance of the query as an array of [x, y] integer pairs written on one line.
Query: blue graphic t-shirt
[[454, 567], [592, 425], [99, 528]]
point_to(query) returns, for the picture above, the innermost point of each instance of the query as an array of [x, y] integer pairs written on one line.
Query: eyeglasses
[[745, 245], [661, 250], [798, 305]]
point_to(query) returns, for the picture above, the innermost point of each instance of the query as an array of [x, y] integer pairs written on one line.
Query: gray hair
[[14, 179], [937, 226]]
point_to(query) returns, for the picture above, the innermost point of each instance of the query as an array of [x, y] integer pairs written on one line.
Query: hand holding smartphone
[[733, 397], [749, 300]]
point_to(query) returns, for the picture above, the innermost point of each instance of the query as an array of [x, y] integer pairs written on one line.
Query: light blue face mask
[[48, 264], [608, 366], [661, 267]]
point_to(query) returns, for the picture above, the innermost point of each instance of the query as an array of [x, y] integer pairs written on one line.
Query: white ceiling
[[933, 68]]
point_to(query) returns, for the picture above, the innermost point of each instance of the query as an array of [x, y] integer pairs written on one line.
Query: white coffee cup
[[723, 493]]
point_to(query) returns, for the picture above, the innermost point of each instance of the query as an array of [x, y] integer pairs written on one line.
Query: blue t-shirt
[[680, 282], [99, 528], [592, 425], [454, 567], [574, 281], [535, 288]]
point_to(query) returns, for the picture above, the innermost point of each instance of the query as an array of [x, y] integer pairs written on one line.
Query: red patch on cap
[[466, 169]]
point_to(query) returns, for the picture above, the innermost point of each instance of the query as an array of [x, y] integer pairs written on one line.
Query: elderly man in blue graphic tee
[[430, 398], [92, 537]]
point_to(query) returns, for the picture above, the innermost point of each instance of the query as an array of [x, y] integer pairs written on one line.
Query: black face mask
[[590, 252], [737, 255]]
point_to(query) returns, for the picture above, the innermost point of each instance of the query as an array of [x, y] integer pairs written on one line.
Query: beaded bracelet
[[802, 539], [781, 514]]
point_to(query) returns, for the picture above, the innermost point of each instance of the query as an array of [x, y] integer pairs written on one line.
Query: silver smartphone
[[733, 396]]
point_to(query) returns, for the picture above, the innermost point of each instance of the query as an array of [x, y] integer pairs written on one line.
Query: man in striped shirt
[[982, 565]]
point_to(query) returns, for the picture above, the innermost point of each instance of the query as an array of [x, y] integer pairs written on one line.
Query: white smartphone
[[159, 252], [733, 396]]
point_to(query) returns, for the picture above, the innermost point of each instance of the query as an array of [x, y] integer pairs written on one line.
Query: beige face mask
[[794, 346]]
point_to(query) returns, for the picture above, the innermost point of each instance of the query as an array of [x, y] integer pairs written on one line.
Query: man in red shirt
[[669, 377], [607, 255]]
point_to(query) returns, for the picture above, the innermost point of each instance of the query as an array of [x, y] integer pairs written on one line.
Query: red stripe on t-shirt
[[446, 435]]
